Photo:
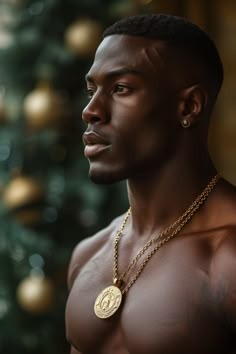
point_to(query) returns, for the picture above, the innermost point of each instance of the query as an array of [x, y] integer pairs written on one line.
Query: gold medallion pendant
[[108, 302]]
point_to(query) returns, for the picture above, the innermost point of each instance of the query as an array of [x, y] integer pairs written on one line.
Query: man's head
[[150, 73], [181, 38]]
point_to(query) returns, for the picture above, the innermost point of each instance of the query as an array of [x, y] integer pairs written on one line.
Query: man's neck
[[159, 198]]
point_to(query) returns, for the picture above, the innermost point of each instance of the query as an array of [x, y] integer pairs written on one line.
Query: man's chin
[[103, 178]]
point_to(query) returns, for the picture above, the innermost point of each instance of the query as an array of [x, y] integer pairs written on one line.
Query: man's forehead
[[125, 50], [125, 39]]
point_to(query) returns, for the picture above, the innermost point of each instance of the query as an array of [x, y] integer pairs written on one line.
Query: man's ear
[[192, 103]]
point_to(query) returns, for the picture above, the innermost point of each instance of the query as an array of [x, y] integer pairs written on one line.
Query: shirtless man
[[152, 87]]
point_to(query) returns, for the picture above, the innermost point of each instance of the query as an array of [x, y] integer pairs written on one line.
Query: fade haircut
[[176, 32]]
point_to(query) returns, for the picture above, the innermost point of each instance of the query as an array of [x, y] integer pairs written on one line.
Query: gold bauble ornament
[[44, 108], [21, 191], [36, 294], [83, 37], [24, 197]]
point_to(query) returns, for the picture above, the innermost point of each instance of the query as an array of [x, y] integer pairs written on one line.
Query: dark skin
[[184, 301]]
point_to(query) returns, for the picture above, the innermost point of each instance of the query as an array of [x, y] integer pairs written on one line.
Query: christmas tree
[[48, 203]]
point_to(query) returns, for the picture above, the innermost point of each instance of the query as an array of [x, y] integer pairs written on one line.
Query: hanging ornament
[[36, 294], [83, 37], [22, 191], [44, 108], [24, 197]]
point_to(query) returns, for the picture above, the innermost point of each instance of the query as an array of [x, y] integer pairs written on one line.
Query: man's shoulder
[[225, 247], [86, 248], [223, 258], [223, 219], [222, 276]]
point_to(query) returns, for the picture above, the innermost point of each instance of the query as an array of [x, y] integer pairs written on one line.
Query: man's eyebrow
[[116, 72]]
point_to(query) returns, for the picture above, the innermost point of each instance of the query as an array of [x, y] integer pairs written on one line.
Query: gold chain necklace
[[109, 300]]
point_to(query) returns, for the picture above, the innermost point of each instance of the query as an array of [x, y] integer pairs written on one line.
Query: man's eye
[[89, 92], [120, 89]]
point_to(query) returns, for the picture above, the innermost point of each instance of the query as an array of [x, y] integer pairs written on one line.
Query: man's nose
[[96, 110]]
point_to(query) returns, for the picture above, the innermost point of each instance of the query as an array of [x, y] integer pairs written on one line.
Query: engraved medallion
[[108, 302]]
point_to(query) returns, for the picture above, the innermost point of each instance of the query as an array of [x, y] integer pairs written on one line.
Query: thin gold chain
[[177, 226]]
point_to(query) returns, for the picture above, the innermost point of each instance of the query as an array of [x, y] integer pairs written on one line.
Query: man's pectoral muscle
[[179, 298]]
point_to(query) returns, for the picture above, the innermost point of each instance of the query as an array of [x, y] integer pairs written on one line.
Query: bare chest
[[169, 309]]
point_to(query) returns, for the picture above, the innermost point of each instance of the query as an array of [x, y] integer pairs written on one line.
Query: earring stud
[[185, 123]]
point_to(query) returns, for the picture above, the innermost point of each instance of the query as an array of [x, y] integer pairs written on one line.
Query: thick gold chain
[[177, 226]]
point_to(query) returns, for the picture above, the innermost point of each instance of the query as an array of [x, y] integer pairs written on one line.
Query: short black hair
[[176, 32]]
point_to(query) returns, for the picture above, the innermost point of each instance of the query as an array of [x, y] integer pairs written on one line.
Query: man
[[161, 278]]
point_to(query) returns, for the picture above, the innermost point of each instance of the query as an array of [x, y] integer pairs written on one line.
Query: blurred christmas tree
[[48, 204]]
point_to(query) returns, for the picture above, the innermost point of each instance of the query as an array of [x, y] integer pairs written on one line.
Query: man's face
[[131, 115]]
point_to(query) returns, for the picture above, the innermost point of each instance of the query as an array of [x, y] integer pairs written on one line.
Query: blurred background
[[47, 202]]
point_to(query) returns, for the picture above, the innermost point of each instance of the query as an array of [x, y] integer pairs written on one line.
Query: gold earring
[[185, 123]]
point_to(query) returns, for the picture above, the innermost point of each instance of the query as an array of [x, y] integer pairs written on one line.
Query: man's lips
[[94, 143], [91, 138]]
